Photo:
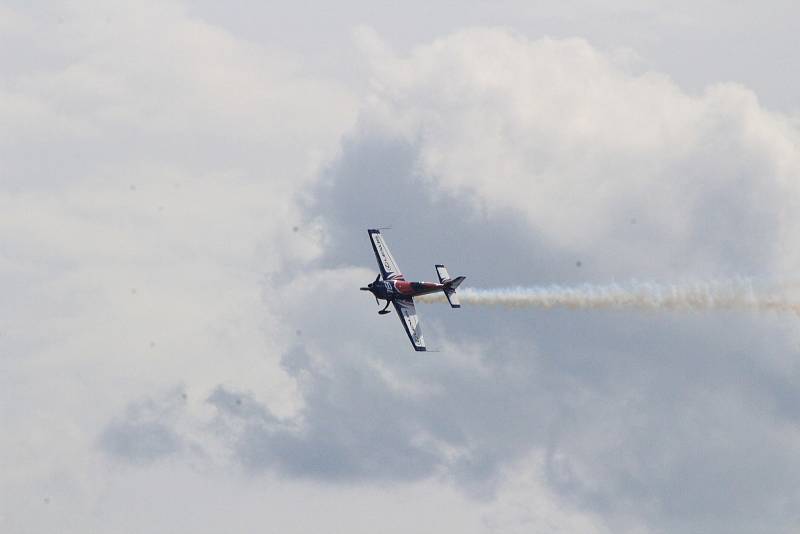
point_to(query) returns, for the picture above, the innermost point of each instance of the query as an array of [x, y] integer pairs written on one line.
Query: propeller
[[369, 288]]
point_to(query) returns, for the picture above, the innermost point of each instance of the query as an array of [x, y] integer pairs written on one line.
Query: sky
[[185, 189]]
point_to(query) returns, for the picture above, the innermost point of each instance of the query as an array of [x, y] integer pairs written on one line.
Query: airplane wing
[[388, 266], [408, 315]]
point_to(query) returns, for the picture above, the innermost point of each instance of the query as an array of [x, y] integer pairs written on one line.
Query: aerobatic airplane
[[395, 290]]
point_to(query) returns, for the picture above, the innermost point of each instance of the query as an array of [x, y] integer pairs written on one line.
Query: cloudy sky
[[184, 193]]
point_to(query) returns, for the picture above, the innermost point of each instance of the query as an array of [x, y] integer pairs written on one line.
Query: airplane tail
[[450, 285]]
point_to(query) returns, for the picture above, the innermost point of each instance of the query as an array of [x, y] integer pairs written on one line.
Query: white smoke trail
[[739, 294]]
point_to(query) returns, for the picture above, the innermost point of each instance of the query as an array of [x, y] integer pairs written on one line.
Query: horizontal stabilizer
[[452, 298], [441, 271]]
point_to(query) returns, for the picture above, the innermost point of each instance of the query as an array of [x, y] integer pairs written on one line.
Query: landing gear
[[384, 311]]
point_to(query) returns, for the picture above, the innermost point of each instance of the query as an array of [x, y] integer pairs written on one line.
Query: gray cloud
[[145, 432], [682, 421]]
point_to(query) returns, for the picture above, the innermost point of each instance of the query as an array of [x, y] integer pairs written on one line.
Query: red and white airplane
[[395, 290]]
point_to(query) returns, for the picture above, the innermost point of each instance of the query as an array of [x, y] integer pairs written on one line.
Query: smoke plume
[[739, 294]]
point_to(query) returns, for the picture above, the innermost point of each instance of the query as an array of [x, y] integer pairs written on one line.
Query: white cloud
[[580, 146], [152, 171]]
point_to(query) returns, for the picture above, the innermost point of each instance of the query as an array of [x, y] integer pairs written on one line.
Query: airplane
[[394, 289]]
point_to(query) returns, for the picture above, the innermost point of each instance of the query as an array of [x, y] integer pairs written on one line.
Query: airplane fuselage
[[391, 289]]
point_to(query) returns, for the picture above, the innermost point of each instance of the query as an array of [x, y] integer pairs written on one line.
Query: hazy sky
[[185, 189]]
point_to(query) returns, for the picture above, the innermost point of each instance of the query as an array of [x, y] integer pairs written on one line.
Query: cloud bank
[[186, 239]]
